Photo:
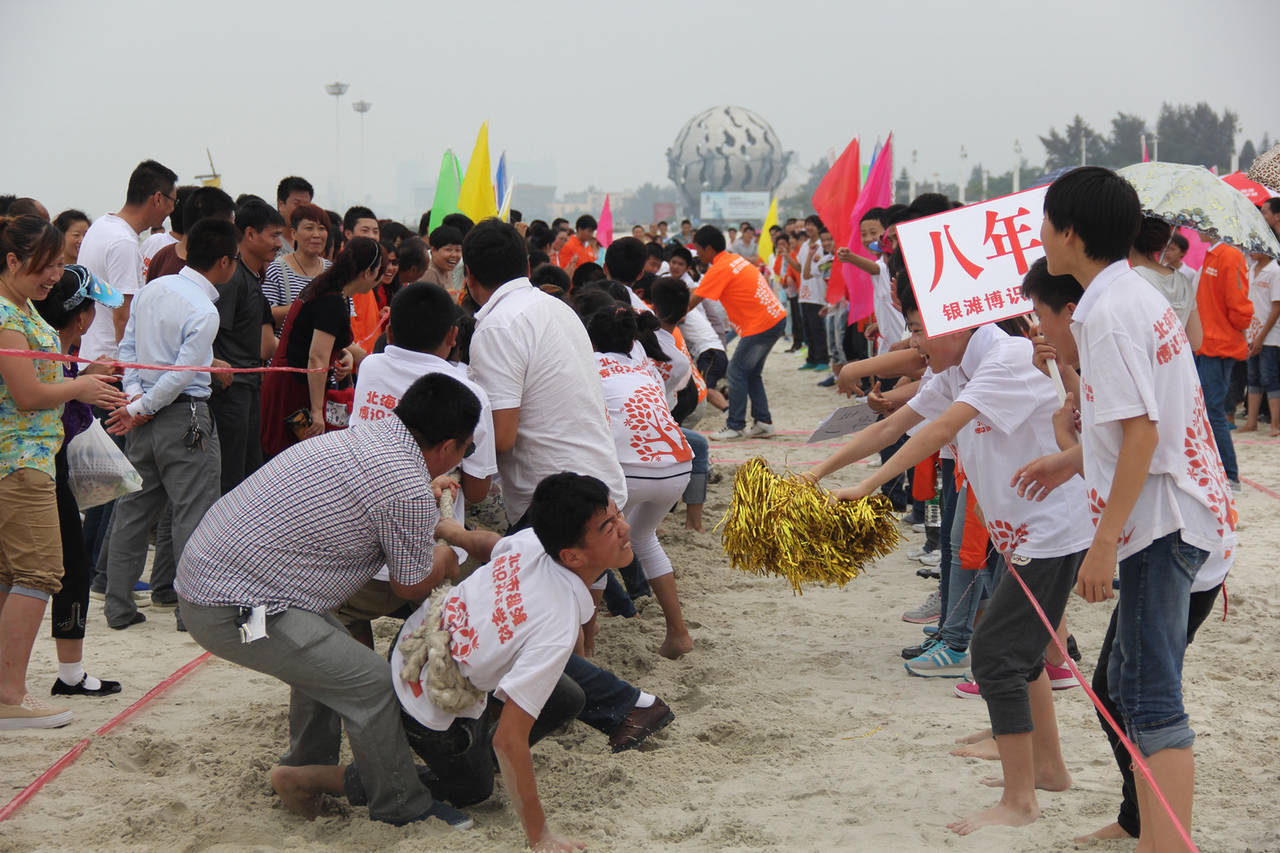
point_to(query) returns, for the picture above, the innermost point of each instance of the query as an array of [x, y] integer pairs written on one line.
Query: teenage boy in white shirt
[[1158, 494], [987, 397], [512, 626]]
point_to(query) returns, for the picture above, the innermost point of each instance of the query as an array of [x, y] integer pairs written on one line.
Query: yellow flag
[[476, 196], [764, 247]]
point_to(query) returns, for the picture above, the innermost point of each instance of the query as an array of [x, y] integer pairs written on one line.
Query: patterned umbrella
[[1195, 197]]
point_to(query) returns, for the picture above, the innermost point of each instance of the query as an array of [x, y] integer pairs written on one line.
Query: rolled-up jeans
[[1144, 674], [746, 366]]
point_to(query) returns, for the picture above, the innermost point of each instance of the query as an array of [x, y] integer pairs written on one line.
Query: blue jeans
[[1144, 675], [609, 698], [1215, 375], [745, 379], [696, 491], [963, 592], [946, 544], [1264, 372]]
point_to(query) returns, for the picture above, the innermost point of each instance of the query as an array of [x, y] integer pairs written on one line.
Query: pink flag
[[1196, 247], [604, 233], [878, 192]]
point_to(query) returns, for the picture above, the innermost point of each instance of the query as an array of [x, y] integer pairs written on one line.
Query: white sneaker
[[932, 558], [918, 528], [33, 713], [929, 611], [917, 553], [727, 434], [759, 429]]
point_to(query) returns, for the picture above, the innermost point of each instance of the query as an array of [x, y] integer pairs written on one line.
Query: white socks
[[646, 700], [71, 673]]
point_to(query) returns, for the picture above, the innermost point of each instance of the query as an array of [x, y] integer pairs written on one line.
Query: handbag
[[97, 470]]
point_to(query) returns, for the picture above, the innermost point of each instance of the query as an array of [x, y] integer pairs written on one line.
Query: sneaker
[[447, 813], [141, 597], [1236, 487], [917, 553], [932, 558], [930, 630], [828, 382], [760, 429], [728, 434], [929, 611], [918, 527], [940, 661], [1060, 677], [164, 602], [136, 619], [967, 688], [926, 646], [33, 713]]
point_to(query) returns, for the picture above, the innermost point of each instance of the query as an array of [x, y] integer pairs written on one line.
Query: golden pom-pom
[[790, 526]]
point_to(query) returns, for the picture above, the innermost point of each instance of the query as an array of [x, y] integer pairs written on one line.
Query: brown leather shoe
[[639, 724]]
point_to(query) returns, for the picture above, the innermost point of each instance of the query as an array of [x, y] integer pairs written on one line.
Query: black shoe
[[912, 652], [447, 813], [1072, 650], [177, 616], [927, 572], [137, 619], [61, 688]]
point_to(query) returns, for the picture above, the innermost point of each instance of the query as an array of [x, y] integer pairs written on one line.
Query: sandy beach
[[796, 727]]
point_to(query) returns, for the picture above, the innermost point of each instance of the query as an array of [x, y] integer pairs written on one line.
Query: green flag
[[448, 184]]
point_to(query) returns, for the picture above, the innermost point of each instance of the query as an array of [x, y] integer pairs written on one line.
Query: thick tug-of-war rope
[[790, 527]]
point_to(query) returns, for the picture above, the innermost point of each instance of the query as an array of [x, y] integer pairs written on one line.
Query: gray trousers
[[172, 475], [334, 680]]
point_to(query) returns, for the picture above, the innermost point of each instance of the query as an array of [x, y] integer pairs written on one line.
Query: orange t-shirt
[[367, 320], [1222, 299], [573, 247], [698, 381], [742, 290]]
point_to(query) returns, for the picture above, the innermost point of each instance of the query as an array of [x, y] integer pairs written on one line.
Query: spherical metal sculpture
[[726, 149]]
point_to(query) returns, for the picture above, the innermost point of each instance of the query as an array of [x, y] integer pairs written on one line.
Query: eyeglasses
[[173, 199]]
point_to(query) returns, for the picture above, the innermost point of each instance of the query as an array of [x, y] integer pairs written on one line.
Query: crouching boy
[[497, 645]]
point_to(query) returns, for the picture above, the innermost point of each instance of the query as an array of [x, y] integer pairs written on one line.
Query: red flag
[[834, 199], [878, 193]]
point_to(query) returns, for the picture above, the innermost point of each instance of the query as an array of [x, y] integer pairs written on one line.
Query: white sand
[[796, 726]]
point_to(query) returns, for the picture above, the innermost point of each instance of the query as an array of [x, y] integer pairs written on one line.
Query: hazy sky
[[583, 93]]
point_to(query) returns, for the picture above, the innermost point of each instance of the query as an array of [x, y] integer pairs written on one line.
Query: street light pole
[[1017, 165], [337, 90], [362, 107], [911, 186], [964, 177]]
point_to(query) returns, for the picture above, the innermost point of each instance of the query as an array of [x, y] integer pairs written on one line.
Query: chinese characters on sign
[[966, 265]]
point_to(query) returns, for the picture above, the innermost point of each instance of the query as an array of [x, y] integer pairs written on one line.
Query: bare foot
[[1273, 433], [998, 815], [1247, 428], [690, 525], [1110, 832], [985, 749], [1059, 780], [296, 797], [675, 646], [985, 734]]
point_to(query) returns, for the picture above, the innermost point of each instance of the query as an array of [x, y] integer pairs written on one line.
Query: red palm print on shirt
[[1097, 503], [1204, 466], [654, 434], [1005, 537]]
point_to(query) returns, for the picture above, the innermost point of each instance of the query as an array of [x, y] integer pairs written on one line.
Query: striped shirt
[[313, 525]]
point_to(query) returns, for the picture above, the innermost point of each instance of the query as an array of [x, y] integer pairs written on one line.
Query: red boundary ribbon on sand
[[72, 754], [1134, 752]]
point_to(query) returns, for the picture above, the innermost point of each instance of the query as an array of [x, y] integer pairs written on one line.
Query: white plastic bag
[[97, 470]]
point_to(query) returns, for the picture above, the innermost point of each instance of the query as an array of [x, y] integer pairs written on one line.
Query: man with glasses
[[171, 440]]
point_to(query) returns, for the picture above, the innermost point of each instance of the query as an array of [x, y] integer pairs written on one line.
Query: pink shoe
[[967, 689], [1060, 677]]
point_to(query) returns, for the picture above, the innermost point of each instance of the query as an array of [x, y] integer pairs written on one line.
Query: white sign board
[[843, 421], [743, 206], [966, 265]]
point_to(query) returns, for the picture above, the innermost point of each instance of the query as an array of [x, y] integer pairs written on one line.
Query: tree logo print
[[654, 435]]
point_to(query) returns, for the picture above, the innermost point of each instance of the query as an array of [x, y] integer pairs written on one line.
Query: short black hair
[[624, 259], [683, 254], [586, 273], [421, 316], [1056, 291], [549, 273], [437, 408], [494, 253], [562, 507], [586, 220], [537, 258], [69, 217], [814, 219], [424, 225], [670, 299], [655, 250], [445, 235], [293, 184], [258, 215], [1152, 236], [354, 215], [1272, 204], [1180, 241], [906, 293], [207, 203], [709, 236], [210, 240], [412, 253], [147, 179], [1098, 205], [514, 216], [392, 232], [927, 204], [874, 213], [460, 221]]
